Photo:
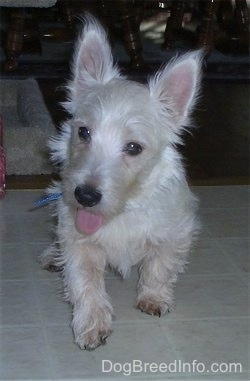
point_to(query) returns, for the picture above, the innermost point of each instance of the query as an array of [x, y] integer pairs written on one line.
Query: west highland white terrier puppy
[[124, 196]]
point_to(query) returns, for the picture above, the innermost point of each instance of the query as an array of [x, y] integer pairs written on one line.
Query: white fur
[[149, 212]]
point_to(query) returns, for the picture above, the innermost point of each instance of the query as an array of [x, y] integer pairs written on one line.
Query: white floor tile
[[211, 341], [24, 354], [19, 303], [24, 229], [202, 297], [226, 223], [15, 263], [207, 258], [238, 252], [52, 306], [20, 262]]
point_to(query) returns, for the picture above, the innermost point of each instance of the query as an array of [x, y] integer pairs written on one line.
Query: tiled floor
[[208, 326]]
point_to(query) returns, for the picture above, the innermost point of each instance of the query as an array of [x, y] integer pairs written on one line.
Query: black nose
[[86, 195]]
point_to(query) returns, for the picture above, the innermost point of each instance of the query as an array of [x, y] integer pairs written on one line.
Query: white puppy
[[125, 199]]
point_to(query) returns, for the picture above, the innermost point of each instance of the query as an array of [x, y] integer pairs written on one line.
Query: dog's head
[[119, 129]]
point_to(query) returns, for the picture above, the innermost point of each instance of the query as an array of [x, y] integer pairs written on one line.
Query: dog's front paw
[[93, 338], [154, 307], [94, 333]]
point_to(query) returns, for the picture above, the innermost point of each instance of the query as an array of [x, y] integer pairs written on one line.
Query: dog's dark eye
[[84, 134], [132, 148]]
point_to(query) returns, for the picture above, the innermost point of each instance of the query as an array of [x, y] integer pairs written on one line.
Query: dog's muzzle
[[86, 195]]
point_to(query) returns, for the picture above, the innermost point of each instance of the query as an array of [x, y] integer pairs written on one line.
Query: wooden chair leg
[[242, 15], [174, 22], [233, 37], [131, 33], [67, 12], [206, 38], [242, 26], [14, 44]]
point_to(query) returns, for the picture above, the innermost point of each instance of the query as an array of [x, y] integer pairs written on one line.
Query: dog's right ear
[[93, 61], [176, 87]]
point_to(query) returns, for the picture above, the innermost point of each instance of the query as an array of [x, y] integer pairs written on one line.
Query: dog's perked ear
[[93, 61], [176, 86]]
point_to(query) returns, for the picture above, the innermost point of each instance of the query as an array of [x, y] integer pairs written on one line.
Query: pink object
[[2, 161], [87, 222]]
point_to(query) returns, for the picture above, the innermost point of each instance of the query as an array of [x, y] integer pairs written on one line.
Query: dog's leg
[[92, 310], [49, 259], [155, 286]]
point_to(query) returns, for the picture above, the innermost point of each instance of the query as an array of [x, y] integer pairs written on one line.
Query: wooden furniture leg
[[173, 23], [242, 16], [233, 37], [206, 39], [131, 33], [67, 12], [14, 44], [65, 9]]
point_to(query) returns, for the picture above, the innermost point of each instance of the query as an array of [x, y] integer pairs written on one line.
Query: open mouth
[[87, 222]]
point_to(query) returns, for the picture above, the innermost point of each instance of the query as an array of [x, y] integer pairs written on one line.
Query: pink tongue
[[87, 222]]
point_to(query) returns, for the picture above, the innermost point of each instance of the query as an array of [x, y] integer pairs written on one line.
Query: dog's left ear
[[93, 58], [176, 86], [92, 62]]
